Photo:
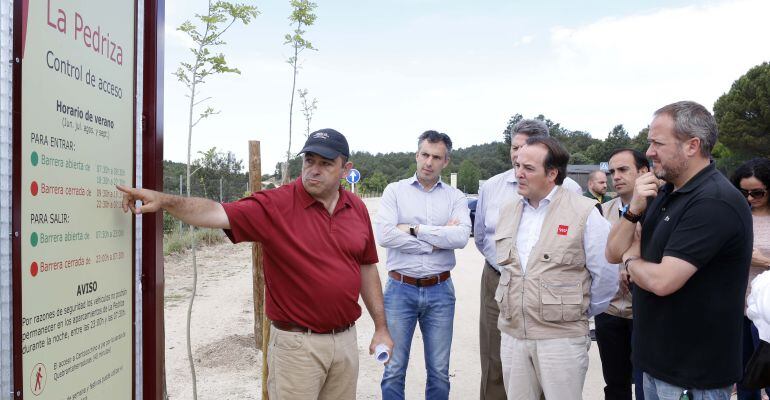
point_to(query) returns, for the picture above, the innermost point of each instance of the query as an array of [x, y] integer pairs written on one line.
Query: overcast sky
[[387, 70]]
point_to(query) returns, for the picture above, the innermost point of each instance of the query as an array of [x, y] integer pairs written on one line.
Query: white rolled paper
[[382, 353]]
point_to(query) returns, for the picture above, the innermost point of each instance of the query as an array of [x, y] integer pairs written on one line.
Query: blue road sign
[[353, 176]]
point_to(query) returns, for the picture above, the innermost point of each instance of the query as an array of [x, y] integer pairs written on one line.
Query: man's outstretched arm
[[191, 210]]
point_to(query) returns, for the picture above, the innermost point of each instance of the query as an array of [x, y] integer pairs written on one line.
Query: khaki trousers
[[554, 369], [312, 366], [489, 338]]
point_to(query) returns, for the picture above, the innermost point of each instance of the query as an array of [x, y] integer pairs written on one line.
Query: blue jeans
[[434, 308], [750, 343], [656, 389]]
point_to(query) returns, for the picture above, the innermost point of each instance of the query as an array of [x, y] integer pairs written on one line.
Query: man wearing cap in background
[[421, 221], [319, 255]]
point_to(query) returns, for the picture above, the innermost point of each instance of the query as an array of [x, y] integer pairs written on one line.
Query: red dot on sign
[[33, 188], [33, 269]]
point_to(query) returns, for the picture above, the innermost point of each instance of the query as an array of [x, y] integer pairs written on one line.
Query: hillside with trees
[[483, 161], [742, 114], [206, 173], [743, 117]]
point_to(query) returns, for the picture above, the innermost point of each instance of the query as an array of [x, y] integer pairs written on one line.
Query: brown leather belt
[[420, 282], [292, 327]]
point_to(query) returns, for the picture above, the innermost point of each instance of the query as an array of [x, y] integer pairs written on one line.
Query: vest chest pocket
[[502, 295], [561, 301], [561, 256], [504, 249]]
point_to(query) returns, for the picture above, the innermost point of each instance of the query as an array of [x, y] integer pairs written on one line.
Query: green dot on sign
[[33, 239], [34, 158]]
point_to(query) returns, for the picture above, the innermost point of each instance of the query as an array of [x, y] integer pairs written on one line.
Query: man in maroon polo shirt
[[319, 255]]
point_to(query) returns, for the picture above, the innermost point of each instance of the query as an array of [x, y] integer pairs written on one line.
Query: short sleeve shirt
[[311, 259], [692, 337]]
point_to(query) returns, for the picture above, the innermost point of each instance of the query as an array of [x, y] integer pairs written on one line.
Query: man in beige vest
[[550, 245], [495, 192], [614, 327]]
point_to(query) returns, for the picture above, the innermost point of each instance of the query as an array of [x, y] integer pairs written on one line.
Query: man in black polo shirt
[[690, 264]]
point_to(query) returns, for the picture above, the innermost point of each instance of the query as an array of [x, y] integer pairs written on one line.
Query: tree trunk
[[285, 178]]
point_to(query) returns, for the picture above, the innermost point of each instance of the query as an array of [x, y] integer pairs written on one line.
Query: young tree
[[308, 109], [206, 34], [301, 16]]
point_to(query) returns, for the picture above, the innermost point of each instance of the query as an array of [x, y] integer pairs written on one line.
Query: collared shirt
[[621, 206], [312, 259], [495, 192], [601, 199], [432, 251], [604, 276]]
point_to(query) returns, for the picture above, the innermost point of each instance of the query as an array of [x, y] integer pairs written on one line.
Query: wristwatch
[[625, 265], [627, 214], [413, 230]]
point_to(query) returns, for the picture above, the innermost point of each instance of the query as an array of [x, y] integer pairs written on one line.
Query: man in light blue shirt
[[498, 190], [421, 221]]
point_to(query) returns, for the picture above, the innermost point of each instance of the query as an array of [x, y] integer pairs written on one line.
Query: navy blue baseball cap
[[327, 143]]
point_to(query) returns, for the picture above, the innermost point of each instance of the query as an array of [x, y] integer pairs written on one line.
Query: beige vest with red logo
[[551, 298], [620, 306]]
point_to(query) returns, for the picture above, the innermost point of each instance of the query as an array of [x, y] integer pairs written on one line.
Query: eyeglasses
[[756, 193]]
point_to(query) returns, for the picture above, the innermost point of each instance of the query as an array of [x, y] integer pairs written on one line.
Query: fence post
[[261, 324]]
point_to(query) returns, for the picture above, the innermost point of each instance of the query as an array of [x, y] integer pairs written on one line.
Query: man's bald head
[[597, 182]]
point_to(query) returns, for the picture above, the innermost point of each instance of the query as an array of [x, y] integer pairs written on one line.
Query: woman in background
[[753, 179]]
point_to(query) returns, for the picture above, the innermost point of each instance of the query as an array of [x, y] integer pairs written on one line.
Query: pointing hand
[[151, 200]]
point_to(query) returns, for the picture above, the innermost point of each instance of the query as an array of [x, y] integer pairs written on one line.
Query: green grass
[[178, 243]]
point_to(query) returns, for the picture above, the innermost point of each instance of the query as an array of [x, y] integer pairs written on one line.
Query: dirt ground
[[228, 365]]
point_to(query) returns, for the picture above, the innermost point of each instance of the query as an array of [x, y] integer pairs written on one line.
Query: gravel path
[[229, 366]]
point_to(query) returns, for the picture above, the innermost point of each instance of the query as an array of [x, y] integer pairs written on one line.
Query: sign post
[[353, 177]]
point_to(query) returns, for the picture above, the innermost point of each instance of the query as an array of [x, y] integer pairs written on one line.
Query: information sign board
[[75, 328]]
